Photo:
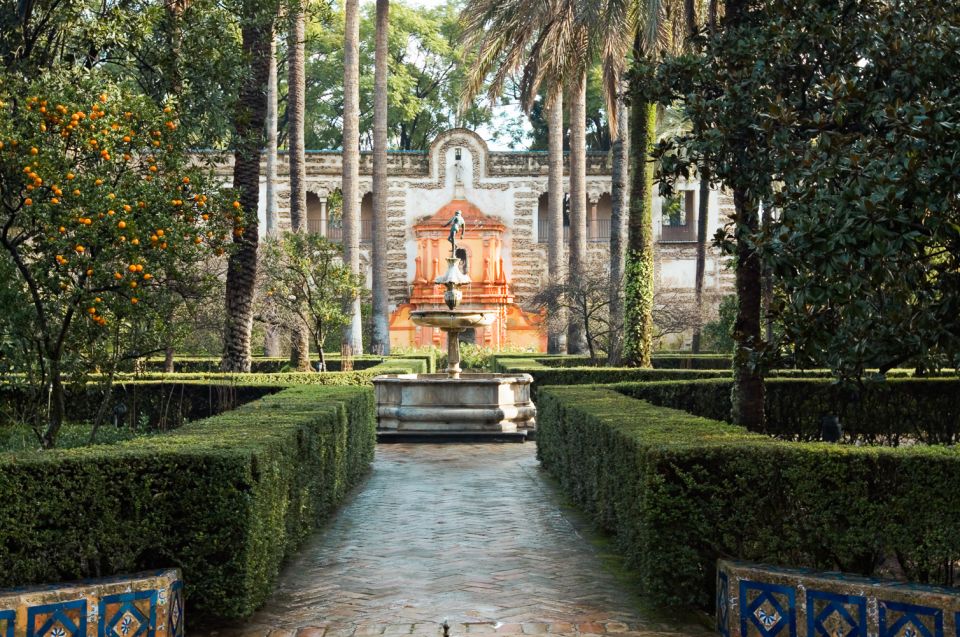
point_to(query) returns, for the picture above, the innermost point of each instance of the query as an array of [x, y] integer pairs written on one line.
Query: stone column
[[323, 217]]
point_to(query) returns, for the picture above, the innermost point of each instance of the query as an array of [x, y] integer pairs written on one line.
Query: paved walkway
[[471, 534]]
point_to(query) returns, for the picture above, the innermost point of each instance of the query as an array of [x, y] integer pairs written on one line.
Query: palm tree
[[556, 337], [271, 342], [351, 342], [248, 122], [296, 88], [576, 328], [380, 338], [542, 41], [619, 200]]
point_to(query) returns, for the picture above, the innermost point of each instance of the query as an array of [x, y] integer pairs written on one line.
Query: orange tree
[[102, 216]]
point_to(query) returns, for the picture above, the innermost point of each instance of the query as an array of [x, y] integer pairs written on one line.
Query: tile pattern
[[767, 610], [910, 620], [757, 600], [834, 615], [124, 606], [473, 534]]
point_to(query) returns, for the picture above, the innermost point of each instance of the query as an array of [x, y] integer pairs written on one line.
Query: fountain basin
[[452, 319], [474, 405]]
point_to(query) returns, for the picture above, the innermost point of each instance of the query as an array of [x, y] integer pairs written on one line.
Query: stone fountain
[[454, 406]]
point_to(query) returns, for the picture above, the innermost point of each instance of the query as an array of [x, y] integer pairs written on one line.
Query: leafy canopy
[[843, 116]]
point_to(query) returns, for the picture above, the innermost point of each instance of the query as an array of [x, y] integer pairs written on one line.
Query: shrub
[[225, 499], [925, 410], [679, 491], [544, 375]]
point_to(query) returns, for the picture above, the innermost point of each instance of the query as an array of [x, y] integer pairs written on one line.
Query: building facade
[[504, 197]]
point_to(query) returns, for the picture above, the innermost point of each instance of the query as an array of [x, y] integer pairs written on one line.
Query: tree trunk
[[271, 216], [557, 332], [576, 331], [748, 389], [351, 343], [249, 120], [703, 210], [168, 366], [296, 88], [271, 342], [767, 220], [638, 276], [58, 405], [619, 201], [380, 338]]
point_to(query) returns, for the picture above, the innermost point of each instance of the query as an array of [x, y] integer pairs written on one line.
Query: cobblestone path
[[473, 534]]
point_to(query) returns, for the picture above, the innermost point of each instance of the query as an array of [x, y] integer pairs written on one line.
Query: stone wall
[[502, 184]]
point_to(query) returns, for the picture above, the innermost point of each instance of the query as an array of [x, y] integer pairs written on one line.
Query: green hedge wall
[[225, 499], [265, 365], [544, 375], [166, 400], [927, 410], [679, 491]]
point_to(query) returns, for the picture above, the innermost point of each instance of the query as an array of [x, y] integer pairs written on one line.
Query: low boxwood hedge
[[155, 399], [679, 491], [225, 499], [268, 365], [924, 410], [544, 375]]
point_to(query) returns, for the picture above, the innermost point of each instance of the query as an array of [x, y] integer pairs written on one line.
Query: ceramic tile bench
[[757, 600], [142, 605]]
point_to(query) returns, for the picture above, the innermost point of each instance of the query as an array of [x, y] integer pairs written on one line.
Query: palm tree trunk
[[380, 338], [351, 342], [703, 210], [249, 120], [576, 331], [748, 389], [638, 275], [557, 333], [296, 87], [271, 341], [619, 201]]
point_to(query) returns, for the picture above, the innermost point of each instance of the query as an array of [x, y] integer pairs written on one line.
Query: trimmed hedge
[[266, 365], [261, 365], [225, 499], [680, 491], [925, 410], [544, 375], [166, 400]]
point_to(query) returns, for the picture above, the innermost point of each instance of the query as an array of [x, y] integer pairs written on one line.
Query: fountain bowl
[[458, 319]]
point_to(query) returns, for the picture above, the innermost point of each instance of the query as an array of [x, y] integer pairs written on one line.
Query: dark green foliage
[[842, 117], [544, 375], [259, 365], [660, 361], [878, 412], [226, 499], [158, 404], [718, 334], [679, 491]]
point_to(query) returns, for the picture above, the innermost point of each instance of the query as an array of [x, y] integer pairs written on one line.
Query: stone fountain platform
[[438, 408]]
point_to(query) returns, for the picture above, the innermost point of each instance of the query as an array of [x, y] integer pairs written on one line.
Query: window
[[458, 154], [678, 215]]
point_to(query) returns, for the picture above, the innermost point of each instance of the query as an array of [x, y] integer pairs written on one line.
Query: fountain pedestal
[[454, 406]]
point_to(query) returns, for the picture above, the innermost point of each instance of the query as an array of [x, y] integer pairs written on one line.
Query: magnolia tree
[[102, 219], [303, 278]]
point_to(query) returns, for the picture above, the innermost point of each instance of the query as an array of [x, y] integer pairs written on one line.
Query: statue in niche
[[458, 192], [457, 173]]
